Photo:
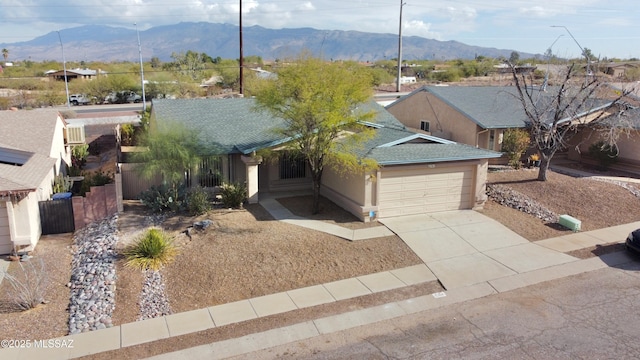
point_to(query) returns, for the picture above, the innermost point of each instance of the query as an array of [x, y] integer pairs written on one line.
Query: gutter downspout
[[478, 137]]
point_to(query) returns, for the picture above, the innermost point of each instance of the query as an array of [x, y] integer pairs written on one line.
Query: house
[[628, 144], [472, 115], [33, 151], [77, 73], [479, 116], [619, 70], [418, 173]]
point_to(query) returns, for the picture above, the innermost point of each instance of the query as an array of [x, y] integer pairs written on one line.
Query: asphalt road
[[594, 315]]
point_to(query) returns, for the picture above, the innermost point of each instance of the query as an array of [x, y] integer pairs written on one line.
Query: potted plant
[[534, 159]]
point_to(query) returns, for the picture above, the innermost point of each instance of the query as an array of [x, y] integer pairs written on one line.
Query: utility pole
[[144, 100], [241, 56], [64, 66], [400, 49]]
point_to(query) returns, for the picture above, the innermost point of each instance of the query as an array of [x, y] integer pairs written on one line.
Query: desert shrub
[[153, 250], [127, 131], [606, 154], [96, 178], [233, 195], [197, 201], [62, 184], [163, 198], [514, 143], [79, 154], [28, 285]]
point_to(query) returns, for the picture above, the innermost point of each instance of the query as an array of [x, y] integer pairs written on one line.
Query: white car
[[79, 99], [123, 97]]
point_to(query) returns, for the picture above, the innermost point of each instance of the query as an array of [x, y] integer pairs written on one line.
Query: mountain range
[[106, 43]]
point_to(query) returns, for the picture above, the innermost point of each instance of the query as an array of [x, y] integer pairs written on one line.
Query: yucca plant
[[153, 250]]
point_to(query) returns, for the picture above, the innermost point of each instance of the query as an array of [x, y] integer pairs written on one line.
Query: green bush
[[97, 178], [153, 250], [62, 184], [514, 143], [163, 198], [233, 195], [197, 201], [606, 154], [79, 154]]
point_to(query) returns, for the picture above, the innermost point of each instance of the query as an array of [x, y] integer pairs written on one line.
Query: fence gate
[[56, 216]]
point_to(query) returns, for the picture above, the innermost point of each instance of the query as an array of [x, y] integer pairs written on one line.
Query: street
[[594, 315]]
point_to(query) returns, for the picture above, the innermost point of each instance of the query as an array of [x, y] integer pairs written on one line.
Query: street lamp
[[549, 54], [144, 100], [64, 66], [581, 49]]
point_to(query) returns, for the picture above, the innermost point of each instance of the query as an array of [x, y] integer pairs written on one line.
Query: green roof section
[[234, 126], [228, 125]]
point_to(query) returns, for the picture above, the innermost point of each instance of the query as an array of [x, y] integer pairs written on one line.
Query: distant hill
[[105, 43]]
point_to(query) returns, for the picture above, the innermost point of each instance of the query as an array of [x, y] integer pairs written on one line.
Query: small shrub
[[233, 195], [97, 178], [62, 184], [79, 155], [163, 198], [606, 154], [127, 131], [514, 143], [28, 285], [153, 250], [197, 201]]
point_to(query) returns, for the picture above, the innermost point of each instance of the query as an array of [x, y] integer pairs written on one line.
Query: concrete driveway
[[464, 247]]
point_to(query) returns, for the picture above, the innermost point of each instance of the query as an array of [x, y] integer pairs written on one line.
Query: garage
[[5, 236], [424, 189]]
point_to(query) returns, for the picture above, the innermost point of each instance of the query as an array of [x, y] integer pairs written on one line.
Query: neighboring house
[[628, 143], [418, 173], [73, 74], [472, 115], [33, 151], [479, 116], [619, 70]]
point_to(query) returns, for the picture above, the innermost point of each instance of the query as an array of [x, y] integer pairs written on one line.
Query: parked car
[[633, 241], [122, 97], [79, 99]]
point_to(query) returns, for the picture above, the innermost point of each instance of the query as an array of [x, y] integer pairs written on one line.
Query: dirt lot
[[248, 254]]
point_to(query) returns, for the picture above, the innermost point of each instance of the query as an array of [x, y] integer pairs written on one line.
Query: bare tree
[[555, 114]]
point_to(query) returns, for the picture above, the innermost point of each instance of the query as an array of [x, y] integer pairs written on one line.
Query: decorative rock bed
[[506, 196], [93, 277], [153, 299]]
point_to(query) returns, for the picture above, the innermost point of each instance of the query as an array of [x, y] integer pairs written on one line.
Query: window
[[424, 125], [210, 171], [292, 166]]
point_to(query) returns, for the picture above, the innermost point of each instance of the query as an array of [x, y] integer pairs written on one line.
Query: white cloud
[[419, 28]]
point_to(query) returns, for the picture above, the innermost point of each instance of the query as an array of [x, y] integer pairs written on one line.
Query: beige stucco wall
[[629, 146], [59, 150], [444, 121], [353, 192], [24, 221]]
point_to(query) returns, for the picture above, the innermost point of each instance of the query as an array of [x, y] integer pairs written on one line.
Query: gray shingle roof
[[30, 130], [491, 107], [32, 133], [234, 127]]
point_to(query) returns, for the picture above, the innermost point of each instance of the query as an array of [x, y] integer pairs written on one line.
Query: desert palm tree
[[5, 54]]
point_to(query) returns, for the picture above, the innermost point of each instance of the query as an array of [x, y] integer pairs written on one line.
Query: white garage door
[[425, 190], [5, 237]]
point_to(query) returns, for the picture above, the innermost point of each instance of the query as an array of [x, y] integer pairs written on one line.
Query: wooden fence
[[56, 216]]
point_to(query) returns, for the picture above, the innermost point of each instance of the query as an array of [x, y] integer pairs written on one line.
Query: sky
[[608, 28]]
